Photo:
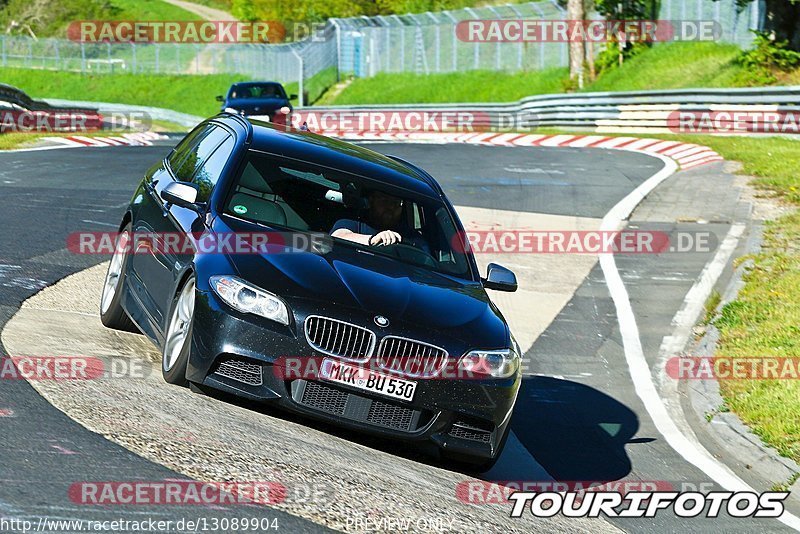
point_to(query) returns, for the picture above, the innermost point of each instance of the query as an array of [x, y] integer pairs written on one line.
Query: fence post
[[4, 49], [497, 64], [58, 54], [83, 58], [755, 23], [299, 78], [476, 51], [455, 40], [158, 48], [133, 50], [338, 31], [437, 41], [402, 48]]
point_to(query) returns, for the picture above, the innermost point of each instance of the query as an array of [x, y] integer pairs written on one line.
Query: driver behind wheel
[[385, 224]]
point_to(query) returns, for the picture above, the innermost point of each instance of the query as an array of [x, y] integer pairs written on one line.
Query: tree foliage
[[781, 20], [319, 10], [47, 18]]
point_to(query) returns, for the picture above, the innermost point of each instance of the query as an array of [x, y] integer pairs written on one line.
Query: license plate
[[367, 380]]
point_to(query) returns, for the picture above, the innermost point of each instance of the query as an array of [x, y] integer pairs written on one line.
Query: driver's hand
[[387, 237]]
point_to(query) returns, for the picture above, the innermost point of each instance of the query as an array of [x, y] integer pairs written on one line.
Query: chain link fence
[[361, 46], [427, 42], [736, 24]]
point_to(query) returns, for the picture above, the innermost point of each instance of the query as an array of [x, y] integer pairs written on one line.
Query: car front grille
[[241, 370], [411, 358], [469, 432], [338, 338], [390, 415], [324, 398], [355, 407]]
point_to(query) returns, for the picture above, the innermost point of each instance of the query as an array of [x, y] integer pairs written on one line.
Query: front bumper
[[244, 355]]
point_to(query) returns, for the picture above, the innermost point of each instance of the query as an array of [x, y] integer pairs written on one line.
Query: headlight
[[496, 363], [248, 298]]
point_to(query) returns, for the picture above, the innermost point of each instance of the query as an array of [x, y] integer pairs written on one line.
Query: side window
[[186, 145], [418, 218], [199, 154], [209, 172]]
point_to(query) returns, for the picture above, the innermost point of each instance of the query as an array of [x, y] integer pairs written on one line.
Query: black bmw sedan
[[352, 298], [259, 100]]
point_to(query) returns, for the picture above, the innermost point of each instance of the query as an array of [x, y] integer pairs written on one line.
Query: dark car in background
[[266, 101], [361, 310]]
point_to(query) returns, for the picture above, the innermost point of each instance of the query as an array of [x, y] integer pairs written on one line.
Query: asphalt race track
[[578, 417]]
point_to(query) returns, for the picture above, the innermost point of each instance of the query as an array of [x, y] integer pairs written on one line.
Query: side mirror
[[292, 97], [499, 278], [220, 98], [181, 194]]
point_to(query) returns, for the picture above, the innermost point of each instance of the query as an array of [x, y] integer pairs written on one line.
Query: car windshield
[[264, 90], [287, 193]]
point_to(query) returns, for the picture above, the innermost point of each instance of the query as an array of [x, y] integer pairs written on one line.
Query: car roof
[[339, 155], [254, 83]]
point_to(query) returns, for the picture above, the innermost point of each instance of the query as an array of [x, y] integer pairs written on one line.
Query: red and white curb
[[686, 155], [126, 139]]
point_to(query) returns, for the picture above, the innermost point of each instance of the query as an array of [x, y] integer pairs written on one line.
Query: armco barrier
[[17, 97], [630, 112]]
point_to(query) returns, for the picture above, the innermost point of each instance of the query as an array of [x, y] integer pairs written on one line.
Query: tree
[[577, 48]]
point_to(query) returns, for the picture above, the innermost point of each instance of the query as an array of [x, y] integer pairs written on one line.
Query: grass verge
[[186, 93], [9, 141], [469, 86]]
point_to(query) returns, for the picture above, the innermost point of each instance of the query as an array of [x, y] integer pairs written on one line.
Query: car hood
[[347, 277]]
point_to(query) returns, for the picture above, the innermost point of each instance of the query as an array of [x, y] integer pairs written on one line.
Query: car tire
[[112, 314], [178, 338]]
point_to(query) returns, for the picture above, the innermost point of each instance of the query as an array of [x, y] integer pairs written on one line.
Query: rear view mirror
[[499, 278], [292, 97], [220, 98], [181, 194]]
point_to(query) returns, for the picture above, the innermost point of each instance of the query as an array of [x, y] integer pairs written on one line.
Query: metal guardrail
[[633, 111], [12, 95]]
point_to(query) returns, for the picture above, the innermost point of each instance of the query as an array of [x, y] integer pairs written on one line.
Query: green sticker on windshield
[[241, 210]]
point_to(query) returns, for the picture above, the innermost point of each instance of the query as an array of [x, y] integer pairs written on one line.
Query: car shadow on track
[[569, 431]]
